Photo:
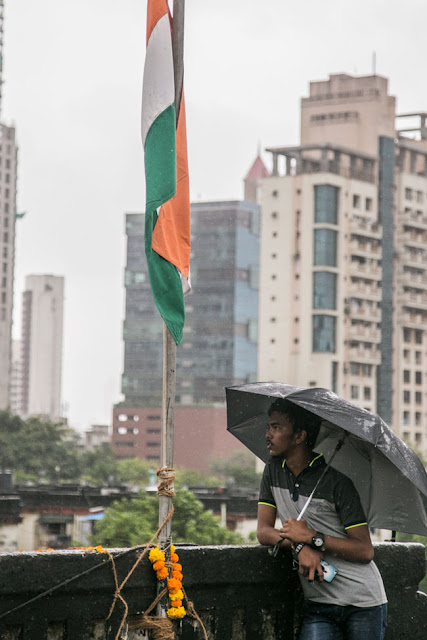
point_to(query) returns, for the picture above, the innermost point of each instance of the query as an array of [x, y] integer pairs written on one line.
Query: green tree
[[37, 449], [238, 469], [134, 471], [131, 522], [99, 466], [191, 478]]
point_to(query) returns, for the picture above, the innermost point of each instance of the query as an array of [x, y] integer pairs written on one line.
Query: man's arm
[[309, 559], [356, 547], [266, 532]]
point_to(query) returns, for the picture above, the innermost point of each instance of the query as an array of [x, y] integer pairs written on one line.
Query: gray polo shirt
[[334, 509]]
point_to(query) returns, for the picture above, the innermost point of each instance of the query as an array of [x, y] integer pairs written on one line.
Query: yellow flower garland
[[174, 584]]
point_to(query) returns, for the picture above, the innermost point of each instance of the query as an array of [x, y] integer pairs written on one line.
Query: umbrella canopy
[[390, 478]]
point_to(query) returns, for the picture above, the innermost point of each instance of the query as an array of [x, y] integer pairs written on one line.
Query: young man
[[353, 605]]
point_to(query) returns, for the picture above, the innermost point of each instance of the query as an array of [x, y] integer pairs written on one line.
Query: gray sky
[[73, 74]]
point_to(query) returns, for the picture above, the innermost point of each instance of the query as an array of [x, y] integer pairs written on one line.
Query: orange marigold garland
[[174, 584]]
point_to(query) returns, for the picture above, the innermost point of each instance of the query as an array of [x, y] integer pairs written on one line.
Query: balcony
[[366, 270], [413, 239], [365, 228], [240, 593], [413, 320], [413, 219], [361, 290], [369, 356], [413, 279], [365, 334], [417, 300], [370, 314], [418, 260], [365, 250]]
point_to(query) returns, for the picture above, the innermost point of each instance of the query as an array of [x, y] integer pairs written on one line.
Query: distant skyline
[[73, 77]]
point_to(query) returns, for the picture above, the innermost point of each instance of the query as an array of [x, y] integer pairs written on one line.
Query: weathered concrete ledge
[[241, 593]]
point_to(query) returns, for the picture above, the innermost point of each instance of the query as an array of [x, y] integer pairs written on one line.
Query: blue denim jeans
[[333, 622]]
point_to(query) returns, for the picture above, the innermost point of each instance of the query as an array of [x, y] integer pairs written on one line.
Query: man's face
[[281, 440]]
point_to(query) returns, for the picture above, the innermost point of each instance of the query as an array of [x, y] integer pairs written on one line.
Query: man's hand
[[309, 563], [297, 531]]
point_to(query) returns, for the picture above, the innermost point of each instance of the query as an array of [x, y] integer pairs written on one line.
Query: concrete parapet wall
[[241, 593]]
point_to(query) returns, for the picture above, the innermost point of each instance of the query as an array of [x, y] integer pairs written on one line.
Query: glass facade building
[[219, 345]]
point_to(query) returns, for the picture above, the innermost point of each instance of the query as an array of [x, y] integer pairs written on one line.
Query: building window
[[406, 335], [354, 368], [323, 334], [367, 393], [356, 201], [418, 336], [418, 397], [324, 290], [368, 204], [326, 203], [418, 377], [325, 247], [406, 417], [417, 418], [418, 439], [418, 357], [354, 392], [406, 376], [366, 370], [406, 397], [408, 194]]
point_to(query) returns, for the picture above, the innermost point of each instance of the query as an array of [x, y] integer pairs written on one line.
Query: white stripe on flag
[[158, 91]]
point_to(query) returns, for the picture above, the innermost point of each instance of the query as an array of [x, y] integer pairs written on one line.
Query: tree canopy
[[132, 522], [38, 450], [238, 469]]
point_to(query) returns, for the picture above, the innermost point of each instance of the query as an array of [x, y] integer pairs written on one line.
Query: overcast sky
[[73, 74]]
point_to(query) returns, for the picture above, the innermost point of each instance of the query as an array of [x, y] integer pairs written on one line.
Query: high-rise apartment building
[[343, 267], [41, 356], [219, 345], [8, 167]]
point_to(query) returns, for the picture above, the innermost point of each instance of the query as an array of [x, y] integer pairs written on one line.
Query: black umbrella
[[390, 478]]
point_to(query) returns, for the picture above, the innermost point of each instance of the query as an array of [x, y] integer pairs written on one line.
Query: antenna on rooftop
[[374, 63], [1, 52]]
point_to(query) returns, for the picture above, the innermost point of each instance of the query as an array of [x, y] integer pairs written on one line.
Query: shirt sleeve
[[265, 493], [348, 505]]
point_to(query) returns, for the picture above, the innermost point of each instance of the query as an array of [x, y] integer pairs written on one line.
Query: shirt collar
[[318, 459]]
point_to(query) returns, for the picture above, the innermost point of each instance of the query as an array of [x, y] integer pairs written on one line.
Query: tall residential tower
[[8, 168], [41, 344], [343, 282]]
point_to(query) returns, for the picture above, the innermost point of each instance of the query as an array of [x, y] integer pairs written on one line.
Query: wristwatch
[[318, 541]]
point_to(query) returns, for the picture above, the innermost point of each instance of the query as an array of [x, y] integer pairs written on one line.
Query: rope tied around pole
[[118, 589], [166, 477]]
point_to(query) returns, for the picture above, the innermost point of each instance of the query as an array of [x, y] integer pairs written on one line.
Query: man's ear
[[300, 436]]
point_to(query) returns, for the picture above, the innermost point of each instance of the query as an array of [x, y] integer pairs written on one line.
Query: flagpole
[[169, 346]]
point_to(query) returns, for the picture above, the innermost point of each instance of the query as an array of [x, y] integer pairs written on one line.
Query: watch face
[[317, 541]]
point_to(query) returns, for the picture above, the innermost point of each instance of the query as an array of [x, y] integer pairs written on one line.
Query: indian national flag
[[167, 211]]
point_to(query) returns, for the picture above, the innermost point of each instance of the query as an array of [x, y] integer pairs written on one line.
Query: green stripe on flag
[[160, 160], [160, 178], [165, 284]]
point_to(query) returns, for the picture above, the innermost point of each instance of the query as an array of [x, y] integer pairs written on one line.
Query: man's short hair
[[300, 419]]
